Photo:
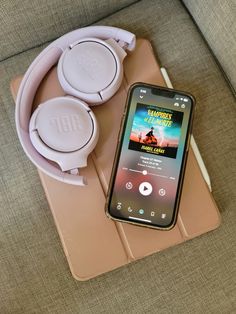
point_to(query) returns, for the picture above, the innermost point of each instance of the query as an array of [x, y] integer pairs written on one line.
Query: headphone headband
[[102, 32], [35, 74]]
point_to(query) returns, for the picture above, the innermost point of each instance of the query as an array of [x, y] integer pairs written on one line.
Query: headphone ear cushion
[[88, 68], [61, 126]]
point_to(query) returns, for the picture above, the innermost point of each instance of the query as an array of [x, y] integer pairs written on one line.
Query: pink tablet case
[[93, 243]]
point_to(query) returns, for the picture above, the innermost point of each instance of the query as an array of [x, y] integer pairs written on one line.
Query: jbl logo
[[66, 123]]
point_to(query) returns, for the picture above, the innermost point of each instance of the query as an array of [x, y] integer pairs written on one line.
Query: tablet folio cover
[[93, 243]]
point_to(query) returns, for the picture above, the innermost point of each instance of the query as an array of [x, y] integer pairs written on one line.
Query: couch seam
[[231, 87], [54, 38]]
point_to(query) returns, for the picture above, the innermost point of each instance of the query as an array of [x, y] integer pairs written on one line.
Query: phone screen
[[147, 176]]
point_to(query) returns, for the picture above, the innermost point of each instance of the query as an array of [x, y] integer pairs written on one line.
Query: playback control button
[[162, 192], [145, 188]]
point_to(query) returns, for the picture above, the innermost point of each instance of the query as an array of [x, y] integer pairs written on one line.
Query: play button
[[145, 188]]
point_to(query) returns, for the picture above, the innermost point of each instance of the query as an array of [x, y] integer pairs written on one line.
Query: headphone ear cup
[[63, 130], [32, 80], [91, 69]]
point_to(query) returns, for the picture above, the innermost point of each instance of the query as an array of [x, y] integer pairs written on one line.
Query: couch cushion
[[27, 24], [194, 277], [217, 22]]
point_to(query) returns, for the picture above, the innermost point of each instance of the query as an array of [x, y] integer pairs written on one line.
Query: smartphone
[[148, 171]]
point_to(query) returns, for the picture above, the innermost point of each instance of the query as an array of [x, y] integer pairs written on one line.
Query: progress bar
[[158, 175], [135, 170], [140, 219], [150, 173]]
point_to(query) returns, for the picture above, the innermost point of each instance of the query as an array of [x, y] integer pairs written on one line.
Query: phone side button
[[187, 149], [121, 127], [118, 137]]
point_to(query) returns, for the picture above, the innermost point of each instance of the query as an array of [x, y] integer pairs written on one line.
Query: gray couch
[[196, 41]]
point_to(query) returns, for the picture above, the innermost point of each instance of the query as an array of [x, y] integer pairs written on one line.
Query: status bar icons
[[182, 99], [142, 91]]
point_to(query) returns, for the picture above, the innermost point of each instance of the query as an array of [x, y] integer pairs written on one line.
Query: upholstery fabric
[[217, 21], [28, 23], [198, 276]]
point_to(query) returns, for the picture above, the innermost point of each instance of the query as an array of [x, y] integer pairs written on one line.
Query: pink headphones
[[64, 129]]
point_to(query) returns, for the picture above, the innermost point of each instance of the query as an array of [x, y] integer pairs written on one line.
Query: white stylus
[[192, 140]]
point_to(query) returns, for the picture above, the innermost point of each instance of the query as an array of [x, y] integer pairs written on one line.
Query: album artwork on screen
[[156, 130]]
